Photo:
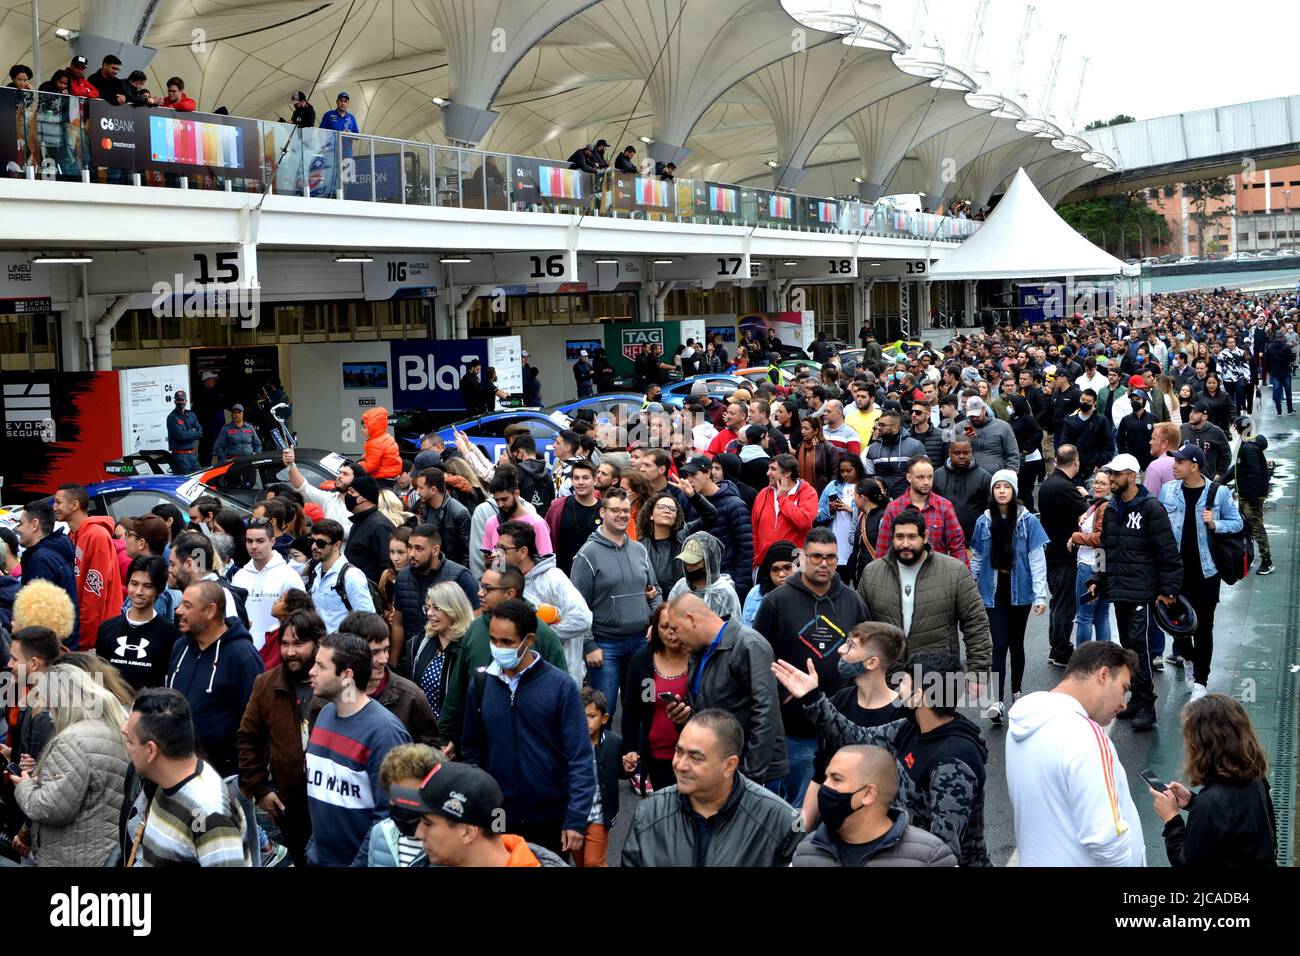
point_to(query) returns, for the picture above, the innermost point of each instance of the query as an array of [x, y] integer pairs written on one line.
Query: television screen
[[780, 207], [722, 199], [194, 143], [365, 375], [560, 183], [826, 212]]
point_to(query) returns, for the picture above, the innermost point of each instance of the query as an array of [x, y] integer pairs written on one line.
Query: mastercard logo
[[106, 143]]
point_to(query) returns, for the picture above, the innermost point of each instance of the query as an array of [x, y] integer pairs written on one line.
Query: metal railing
[[61, 137]]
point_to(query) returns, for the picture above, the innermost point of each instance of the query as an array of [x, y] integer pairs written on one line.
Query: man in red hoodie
[[79, 85], [785, 509], [99, 580], [176, 98]]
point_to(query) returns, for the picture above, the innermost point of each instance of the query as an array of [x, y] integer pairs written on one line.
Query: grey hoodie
[[719, 593], [547, 584], [612, 579]]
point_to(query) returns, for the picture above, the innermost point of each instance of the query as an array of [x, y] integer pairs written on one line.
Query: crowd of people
[[772, 614]]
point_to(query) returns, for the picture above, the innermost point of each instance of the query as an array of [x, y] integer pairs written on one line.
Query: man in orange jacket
[[785, 509], [382, 459], [176, 98], [457, 813], [99, 578]]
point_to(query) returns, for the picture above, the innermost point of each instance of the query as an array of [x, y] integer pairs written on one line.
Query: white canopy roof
[[1024, 238]]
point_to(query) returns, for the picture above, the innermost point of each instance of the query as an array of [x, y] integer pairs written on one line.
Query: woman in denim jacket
[[1010, 566]]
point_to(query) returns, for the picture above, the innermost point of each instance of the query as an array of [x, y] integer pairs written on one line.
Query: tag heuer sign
[[635, 341]]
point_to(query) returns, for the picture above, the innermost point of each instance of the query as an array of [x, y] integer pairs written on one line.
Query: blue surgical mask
[[508, 658]]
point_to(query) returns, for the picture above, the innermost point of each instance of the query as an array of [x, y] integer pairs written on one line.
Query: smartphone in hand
[[1154, 782]]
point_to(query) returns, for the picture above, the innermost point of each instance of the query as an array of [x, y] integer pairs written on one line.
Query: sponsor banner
[[58, 427], [427, 374], [384, 171], [165, 141], [624, 341], [792, 328], [642, 193], [148, 396], [24, 286], [400, 277], [535, 182]]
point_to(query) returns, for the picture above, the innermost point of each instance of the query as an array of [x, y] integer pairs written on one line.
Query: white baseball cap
[[1122, 463]]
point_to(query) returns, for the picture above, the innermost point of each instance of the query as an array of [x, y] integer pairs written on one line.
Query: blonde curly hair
[[44, 604]]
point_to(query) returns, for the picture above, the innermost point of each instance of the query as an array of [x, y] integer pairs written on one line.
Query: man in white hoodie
[[1068, 790], [265, 577], [544, 583]]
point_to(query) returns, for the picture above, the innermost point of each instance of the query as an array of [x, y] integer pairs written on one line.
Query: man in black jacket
[[1061, 403], [1133, 437], [1089, 431], [625, 162], [367, 546], [714, 816], [444, 512], [105, 79], [730, 669], [806, 620], [965, 484], [1060, 503], [1251, 475], [1142, 565], [1210, 439]]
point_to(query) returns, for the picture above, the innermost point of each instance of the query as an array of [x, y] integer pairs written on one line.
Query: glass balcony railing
[[60, 137]]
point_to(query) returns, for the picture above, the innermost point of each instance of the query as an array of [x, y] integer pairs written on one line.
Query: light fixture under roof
[[455, 259], [859, 180], [876, 265], [790, 262], [440, 101], [354, 257], [772, 162], [606, 262], [72, 258], [646, 139], [663, 262], [63, 33]]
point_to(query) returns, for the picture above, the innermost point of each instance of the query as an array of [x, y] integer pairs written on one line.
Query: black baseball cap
[[80, 61], [455, 791], [1190, 452], [1202, 407], [695, 466]]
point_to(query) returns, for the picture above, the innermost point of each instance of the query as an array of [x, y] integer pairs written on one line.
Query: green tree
[[1123, 224], [1118, 119], [1200, 194]]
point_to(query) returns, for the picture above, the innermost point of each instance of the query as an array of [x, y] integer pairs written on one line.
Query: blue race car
[[488, 432], [128, 497], [718, 385], [603, 404]]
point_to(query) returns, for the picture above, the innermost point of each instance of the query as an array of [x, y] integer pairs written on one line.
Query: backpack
[[1233, 552], [340, 585]]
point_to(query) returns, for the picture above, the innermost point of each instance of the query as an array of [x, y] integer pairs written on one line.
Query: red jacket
[[382, 458], [99, 578], [183, 105], [795, 520], [83, 87]]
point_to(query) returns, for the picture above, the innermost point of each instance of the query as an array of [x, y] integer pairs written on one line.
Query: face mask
[[299, 566], [834, 807], [697, 578], [508, 658], [349, 502], [851, 670]]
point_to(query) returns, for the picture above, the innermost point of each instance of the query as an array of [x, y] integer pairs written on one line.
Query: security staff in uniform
[[184, 434], [236, 438]]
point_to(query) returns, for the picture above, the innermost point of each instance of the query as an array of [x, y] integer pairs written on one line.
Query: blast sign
[[426, 375]]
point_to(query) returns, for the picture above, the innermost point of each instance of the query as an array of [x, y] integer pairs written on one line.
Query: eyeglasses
[[321, 543], [492, 587], [821, 558]]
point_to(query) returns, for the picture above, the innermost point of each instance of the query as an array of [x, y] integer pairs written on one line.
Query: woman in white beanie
[[1010, 566]]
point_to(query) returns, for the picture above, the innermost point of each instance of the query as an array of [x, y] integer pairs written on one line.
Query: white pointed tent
[[1024, 238]]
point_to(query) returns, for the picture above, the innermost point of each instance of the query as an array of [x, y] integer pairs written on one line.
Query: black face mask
[[834, 807], [405, 820], [349, 502], [697, 578]]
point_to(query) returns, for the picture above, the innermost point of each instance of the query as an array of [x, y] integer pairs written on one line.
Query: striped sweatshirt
[[195, 823], [344, 795]]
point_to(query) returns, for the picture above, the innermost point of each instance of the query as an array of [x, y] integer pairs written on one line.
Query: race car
[[763, 373], [718, 385], [488, 432], [601, 404], [246, 478], [128, 497]]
